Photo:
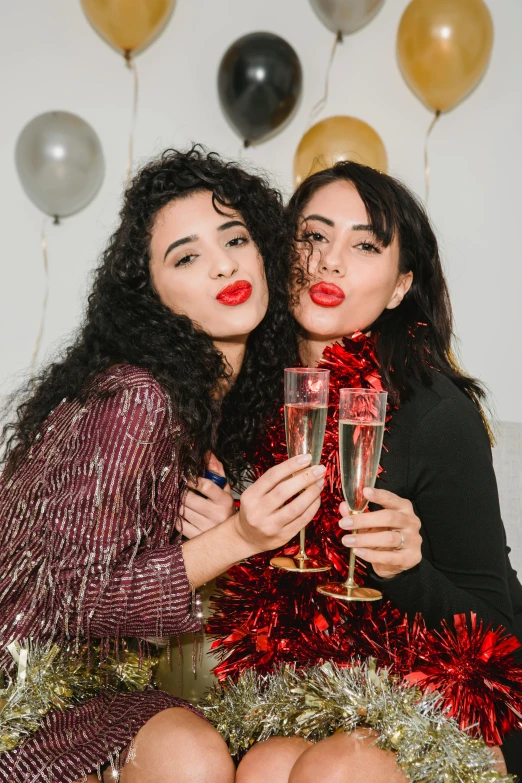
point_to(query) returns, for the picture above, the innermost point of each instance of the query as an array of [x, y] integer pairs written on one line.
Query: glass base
[[342, 592], [302, 565]]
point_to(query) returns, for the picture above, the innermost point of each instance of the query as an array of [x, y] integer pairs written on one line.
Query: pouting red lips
[[326, 294], [235, 294]]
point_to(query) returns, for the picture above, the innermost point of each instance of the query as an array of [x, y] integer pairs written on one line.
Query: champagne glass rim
[[306, 369], [361, 390]]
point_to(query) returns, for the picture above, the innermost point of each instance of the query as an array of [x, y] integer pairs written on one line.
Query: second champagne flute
[[362, 416], [306, 408]]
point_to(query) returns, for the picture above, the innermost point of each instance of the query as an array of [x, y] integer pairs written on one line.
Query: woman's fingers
[[199, 504], [190, 530], [269, 480], [387, 499], [387, 558], [384, 518], [293, 528], [299, 482], [196, 519], [210, 490], [300, 505], [389, 539]]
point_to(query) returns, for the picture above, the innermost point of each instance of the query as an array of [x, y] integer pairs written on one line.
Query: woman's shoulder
[[133, 393], [124, 377], [439, 404]]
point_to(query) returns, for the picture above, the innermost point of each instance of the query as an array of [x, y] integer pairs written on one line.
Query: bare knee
[[177, 746], [271, 760], [347, 758]]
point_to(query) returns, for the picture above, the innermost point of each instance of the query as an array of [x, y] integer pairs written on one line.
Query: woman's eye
[[185, 260], [368, 247], [314, 236], [237, 242]]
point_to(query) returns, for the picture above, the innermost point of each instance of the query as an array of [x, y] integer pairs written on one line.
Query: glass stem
[[302, 539], [350, 582]]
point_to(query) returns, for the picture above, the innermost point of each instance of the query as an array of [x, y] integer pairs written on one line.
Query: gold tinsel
[[316, 702], [55, 679]]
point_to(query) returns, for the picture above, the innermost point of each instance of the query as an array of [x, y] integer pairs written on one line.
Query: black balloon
[[259, 84]]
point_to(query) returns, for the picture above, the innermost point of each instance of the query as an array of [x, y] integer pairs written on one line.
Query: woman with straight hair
[[372, 306]]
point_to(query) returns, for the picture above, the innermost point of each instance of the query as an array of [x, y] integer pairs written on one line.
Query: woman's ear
[[401, 289]]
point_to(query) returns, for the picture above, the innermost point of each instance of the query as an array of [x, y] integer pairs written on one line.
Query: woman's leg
[[176, 746], [271, 761], [347, 758]]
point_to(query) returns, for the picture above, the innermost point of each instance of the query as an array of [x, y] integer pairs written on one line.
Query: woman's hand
[[280, 503], [273, 510], [201, 514], [389, 539]]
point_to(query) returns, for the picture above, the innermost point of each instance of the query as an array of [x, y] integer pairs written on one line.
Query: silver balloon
[[60, 163], [346, 16]]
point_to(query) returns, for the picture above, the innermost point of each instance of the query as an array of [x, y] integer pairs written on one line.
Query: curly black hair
[[416, 336], [126, 322]]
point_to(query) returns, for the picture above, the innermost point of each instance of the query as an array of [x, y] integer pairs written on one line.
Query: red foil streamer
[[263, 616]]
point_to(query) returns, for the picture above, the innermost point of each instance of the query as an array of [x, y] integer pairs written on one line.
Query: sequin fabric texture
[[89, 551]]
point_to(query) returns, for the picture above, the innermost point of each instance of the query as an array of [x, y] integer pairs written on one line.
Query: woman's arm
[[115, 568], [452, 486]]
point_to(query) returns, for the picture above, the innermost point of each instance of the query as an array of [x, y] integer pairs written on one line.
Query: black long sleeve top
[[437, 454]]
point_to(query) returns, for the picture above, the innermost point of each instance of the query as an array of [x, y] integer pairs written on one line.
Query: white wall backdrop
[[50, 58]]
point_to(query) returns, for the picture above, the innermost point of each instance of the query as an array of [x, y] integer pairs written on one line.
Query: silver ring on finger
[[401, 545]]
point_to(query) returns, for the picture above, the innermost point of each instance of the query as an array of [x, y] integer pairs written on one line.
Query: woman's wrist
[[215, 551]]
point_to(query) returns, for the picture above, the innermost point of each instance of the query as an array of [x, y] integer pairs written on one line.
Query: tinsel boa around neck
[[263, 617]]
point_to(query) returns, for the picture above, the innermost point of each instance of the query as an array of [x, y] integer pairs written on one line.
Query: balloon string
[[132, 66], [321, 103], [43, 243], [426, 158]]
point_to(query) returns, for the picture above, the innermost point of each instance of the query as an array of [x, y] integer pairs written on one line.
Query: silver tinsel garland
[[55, 679], [316, 702]]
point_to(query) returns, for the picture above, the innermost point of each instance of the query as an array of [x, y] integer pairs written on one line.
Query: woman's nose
[[331, 262], [223, 264]]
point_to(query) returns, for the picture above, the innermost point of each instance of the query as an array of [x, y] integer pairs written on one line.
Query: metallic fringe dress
[[88, 552]]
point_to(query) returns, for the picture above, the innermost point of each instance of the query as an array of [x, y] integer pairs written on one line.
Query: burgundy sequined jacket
[[88, 545]]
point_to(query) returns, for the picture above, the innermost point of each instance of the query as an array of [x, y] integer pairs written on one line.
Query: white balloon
[[59, 160], [346, 16]]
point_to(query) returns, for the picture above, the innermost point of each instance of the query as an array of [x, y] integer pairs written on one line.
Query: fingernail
[[346, 523], [360, 552], [369, 492], [319, 470], [320, 483], [304, 458], [348, 540]]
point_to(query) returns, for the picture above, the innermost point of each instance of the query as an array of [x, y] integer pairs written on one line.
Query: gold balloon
[[335, 139], [128, 25], [443, 48], [174, 673]]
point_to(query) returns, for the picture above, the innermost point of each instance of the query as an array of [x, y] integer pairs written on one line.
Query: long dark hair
[[416, 336], [126, 322]]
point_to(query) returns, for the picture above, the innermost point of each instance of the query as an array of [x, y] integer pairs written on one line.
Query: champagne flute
[[362, 415], [306, 408]]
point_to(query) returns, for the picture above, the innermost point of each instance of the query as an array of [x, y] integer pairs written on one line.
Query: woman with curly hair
[[373, 307], [181, 351]]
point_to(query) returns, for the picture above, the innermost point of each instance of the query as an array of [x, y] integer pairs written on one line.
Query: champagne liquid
[[305, 426], [360, 450]]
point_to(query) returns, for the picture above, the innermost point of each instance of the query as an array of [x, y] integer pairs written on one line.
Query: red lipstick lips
[[235, 294], [326, 295]]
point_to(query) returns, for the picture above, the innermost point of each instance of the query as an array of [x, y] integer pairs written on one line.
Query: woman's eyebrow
[[178, 242], [231, 224], [362, 227], [321, 219]]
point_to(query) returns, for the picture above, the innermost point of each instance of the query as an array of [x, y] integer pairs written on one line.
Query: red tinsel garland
[[263, 616]]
